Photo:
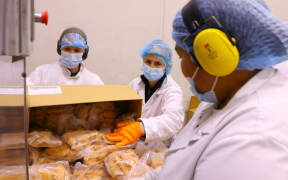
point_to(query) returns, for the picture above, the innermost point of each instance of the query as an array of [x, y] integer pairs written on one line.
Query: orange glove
[[122, 124], [126, 134]]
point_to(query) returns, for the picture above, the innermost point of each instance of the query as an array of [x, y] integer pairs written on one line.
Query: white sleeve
[[132, 84], [35, 77], [100, 82], [91, 78], [170, 122], [249, 157]]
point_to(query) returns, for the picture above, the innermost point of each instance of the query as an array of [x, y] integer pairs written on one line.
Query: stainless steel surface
[[16, 27], [37, 17]]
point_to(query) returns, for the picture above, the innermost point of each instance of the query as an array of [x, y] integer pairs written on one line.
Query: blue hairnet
[[74, 39], [161, 50], [262, 39]]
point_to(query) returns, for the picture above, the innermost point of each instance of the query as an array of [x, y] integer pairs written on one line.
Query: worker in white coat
[[234, 55], [162, 112], [70, 70]]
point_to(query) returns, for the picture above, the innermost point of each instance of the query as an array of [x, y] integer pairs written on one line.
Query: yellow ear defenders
[[214, 50], [73, 30]]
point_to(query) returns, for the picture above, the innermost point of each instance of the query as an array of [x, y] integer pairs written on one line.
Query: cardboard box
[[12, 109], [122, 95], [194, 102]]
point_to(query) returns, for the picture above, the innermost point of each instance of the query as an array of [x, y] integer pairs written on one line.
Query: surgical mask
[[152, 74], [71, 60], [208, 96]]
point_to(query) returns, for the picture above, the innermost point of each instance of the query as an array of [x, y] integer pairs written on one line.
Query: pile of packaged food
[[70, 144]]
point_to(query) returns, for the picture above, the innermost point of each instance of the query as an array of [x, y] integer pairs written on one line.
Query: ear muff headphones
[[73, 30], [213, 48]]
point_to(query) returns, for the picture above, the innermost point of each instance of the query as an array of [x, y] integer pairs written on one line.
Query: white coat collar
[[253, 84], [205, 111], [158, 91], [68, 73], [245, 91]]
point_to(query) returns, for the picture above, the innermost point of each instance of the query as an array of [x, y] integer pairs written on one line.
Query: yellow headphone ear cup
[[215, 53]]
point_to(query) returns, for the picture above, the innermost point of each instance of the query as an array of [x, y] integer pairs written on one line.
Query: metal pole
[[26, 121]]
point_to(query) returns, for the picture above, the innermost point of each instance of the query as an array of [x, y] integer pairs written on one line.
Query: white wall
[[117, 30]]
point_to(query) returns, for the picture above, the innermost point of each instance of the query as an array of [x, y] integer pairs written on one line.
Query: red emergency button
[[44, 17], [41, 17]]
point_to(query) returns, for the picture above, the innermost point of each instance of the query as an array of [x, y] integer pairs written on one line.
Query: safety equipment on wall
[[213, 48], [76, 31]]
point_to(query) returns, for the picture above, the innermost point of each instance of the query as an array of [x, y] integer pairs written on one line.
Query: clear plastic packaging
[[155, 159], [120, 163], [93, 172], [102, 116], [53, 171], [78, 140], [97, 153], [69, 122], [45, 160], [54, 113], [43, 139], [13, 173], [152, 154], [34, 155], [107, 120], [63, 152], [81, 111], [93, 119], [11, 140]]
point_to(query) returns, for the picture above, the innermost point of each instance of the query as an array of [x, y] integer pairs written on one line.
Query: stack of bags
[[68, 143]]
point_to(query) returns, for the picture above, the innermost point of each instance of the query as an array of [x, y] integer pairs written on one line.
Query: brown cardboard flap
[[11, 100], [84, 94]]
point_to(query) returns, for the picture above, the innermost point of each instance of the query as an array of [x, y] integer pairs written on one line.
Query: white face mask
[[208, 96], [71, 60], [152, 74]]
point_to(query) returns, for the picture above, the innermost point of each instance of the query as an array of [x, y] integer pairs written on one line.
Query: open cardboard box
[[194, 103], [12, 107], [125, 98]]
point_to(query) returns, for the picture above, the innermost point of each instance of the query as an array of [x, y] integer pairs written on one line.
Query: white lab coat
[[58, 74], [163, 114], [11, 73], [246, 140]]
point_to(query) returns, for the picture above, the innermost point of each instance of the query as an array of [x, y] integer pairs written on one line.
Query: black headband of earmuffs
[[192, 17], [193, 20]]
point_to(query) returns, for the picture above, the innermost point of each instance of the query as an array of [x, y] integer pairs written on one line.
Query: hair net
[[73, 39], [161, 50], [262, 39]]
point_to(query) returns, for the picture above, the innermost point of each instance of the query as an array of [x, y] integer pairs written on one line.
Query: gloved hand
[[122, 124], [126, 133]]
